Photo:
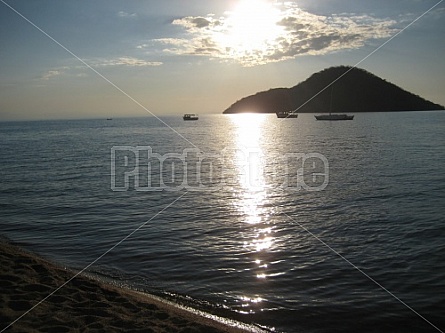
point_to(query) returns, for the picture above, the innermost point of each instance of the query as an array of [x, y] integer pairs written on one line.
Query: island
[[335, 89]]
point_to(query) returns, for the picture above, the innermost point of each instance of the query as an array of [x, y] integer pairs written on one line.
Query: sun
[[251, 27]]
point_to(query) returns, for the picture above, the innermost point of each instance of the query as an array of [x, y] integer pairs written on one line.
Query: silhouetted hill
[[357, 91]]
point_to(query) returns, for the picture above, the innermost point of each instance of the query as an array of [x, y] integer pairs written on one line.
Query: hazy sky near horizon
[[112, 58]]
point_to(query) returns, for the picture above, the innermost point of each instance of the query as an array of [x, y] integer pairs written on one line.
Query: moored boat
[[190, 116], [287, 114], [334, 117]]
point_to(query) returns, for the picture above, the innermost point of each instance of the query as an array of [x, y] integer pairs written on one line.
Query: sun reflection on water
[[251, 201]]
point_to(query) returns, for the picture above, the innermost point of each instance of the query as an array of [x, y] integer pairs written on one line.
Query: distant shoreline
[[179, 116], [317, 112]]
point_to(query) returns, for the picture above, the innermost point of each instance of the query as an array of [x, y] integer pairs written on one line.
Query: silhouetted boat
[[190, 116], [334, 117], [287, 114], [331, 116]]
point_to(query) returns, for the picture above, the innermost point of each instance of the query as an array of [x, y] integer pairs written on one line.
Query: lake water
[[296, 225]]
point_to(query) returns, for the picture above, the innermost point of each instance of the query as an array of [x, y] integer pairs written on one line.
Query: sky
[[126, 58]]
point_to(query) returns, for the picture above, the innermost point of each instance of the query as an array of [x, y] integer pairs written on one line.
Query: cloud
[[51, 74], [124, 61], [123, 14], [295, 33], [80, 71]]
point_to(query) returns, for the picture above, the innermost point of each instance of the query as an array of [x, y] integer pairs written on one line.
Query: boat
[[331, 116], [334, 116], [190, 116], [287, 114]]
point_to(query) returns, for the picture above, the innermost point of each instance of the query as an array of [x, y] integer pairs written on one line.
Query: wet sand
[[86, 305]]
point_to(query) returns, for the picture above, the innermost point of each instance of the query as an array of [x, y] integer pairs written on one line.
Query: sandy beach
[[86, 305]]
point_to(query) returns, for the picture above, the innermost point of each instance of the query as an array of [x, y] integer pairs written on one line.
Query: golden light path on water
[[258, 234]]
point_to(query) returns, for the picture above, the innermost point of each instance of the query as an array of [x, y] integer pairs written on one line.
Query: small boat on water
[[331, 116], [334, 117], [190, 116], [287, 114]]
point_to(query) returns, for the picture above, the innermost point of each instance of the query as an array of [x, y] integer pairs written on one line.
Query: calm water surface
[[248, 244]]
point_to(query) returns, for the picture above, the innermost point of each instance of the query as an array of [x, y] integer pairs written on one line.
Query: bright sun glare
[[251, 26]]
